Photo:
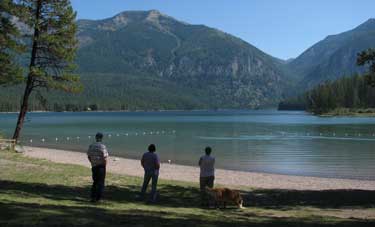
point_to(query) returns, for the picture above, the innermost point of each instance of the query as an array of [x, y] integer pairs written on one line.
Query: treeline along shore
[[354, 95], [346, 96]]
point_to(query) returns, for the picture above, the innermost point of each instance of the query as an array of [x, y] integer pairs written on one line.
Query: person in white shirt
[[207, 174], [97, 155]]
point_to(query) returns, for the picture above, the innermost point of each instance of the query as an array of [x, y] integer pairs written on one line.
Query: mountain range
[[148, 60]]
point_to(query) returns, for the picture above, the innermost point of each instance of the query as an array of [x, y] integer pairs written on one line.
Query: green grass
[[41, 193]]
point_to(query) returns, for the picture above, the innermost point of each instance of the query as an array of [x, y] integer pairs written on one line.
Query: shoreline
[[230, 178], [140, 111]]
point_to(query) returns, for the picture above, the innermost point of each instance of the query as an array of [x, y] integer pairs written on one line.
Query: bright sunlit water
[[267, 141]]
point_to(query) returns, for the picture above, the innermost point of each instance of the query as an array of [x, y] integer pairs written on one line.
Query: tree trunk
[[23, 111], [30, 79]]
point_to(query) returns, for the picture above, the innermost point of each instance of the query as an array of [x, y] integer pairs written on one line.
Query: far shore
[[230, 178], [341, 112], [348, 112], [137, 111]]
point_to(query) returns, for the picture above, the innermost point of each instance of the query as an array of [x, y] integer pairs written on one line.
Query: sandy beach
[[229, 178]]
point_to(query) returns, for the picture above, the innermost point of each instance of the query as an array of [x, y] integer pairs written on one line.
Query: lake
[[269, 141]]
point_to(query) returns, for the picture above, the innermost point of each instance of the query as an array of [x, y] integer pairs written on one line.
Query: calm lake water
[[267, 141]]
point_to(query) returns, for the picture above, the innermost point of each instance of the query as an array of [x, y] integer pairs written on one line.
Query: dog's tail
[[240, 204]]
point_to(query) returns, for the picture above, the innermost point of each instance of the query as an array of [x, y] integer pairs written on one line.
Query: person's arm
[[105, 154], [88, 154], [143, 162], [157, 162]]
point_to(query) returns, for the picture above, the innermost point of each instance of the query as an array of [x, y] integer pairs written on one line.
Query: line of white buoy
[[163, 132], [68, 138]]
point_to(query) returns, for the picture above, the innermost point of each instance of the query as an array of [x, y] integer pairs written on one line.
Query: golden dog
[[224, 195]]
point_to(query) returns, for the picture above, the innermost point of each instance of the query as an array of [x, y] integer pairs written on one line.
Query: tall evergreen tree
[[52, 52], [367, 57], [10, 72]]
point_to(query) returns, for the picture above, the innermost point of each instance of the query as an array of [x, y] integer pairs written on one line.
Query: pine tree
[[52, 52], [367, 57], [10, 72]]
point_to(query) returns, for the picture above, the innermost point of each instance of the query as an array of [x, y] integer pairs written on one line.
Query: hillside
[[333, 57], [220, 70]]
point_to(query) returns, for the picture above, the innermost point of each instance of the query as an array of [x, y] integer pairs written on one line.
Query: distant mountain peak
[[369, 24], [153, 16], [371, 20], [154, 11]]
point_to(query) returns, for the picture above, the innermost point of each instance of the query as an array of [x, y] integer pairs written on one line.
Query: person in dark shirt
[[151, 164]]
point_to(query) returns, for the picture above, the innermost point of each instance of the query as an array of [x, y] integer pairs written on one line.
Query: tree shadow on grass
[[184, 196], [29, 214], [170, 195], [320, 199]]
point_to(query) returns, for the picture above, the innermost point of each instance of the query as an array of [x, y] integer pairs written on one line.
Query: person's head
[[151, 148], [99, 137], [208, 150]]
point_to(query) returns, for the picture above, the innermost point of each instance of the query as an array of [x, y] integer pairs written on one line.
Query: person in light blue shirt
[[151, 164]]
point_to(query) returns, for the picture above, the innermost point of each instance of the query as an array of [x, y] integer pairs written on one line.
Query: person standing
[[151, 164], [207, 174], [98, 156]]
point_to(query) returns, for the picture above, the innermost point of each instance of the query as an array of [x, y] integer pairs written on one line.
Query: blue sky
[[282, 28]]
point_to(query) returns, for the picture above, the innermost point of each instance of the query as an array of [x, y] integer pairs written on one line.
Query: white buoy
[[359, 134], [334, 134], [109, 135], [162, 132], [117, 134], [89, 137], [157, 132], [151, 133], [43, 140], [144, 133], [67, 138], [77, 137], [126, 134], [31, 141], [57, 139], [169, 161], [136, 134]]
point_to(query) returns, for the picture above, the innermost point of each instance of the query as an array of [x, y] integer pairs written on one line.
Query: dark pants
[[148, 176], [205, 182], [98, 176]]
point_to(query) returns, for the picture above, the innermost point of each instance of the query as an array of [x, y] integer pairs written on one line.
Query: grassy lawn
[[41, 193]]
